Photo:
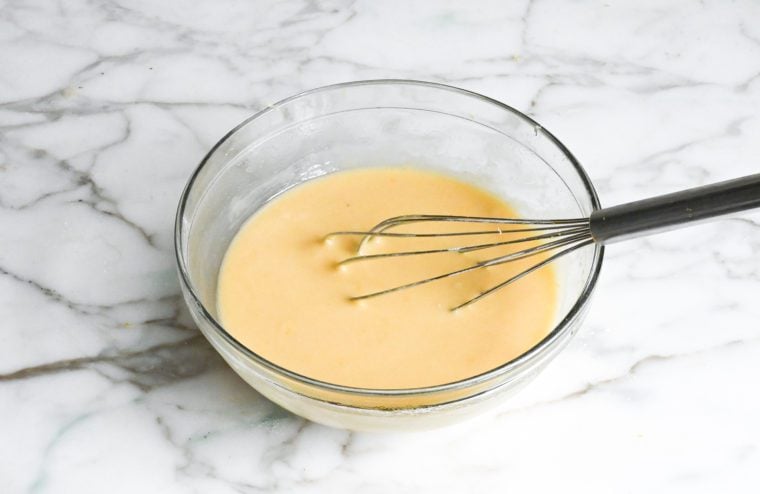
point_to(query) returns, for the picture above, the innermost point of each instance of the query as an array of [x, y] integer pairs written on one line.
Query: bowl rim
[[534, 351]]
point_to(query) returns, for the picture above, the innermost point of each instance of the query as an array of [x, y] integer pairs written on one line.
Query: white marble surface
[[105, 109]]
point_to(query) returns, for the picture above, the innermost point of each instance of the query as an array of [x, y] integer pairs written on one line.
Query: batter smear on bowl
[[283, 294]]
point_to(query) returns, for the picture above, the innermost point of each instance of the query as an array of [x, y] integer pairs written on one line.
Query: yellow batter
[[282, 294]]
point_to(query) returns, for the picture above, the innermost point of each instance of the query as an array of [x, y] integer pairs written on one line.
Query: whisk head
[[553, 238]]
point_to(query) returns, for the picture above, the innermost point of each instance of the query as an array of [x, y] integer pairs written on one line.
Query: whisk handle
[[668, 211]]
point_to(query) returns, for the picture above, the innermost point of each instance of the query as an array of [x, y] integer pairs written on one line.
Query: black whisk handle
[[671, 210]]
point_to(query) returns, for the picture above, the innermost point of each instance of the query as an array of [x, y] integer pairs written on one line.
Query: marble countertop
[[107, 107]]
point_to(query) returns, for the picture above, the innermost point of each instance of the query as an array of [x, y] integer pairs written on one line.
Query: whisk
[[559, 237]]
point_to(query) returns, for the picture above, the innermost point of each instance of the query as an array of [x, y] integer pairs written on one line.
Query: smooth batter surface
[[281, 293]]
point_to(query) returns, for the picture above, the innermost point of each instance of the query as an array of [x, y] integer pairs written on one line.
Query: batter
[[282, 294]]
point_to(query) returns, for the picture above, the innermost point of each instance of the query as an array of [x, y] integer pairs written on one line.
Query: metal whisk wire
[[569, 234], [561, 237], [558, 228]]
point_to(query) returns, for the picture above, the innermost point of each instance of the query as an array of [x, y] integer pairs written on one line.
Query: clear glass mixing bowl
[[369, 124]]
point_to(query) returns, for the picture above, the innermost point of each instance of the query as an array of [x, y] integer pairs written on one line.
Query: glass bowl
[[370, 124]]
